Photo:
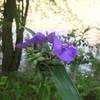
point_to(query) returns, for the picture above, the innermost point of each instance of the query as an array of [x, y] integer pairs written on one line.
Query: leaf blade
[[65, 87]]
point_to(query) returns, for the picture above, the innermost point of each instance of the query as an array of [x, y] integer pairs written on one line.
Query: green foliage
[[88, 83], [85, 82], [50, 67], [88, 87], [66, 88], [26, 86], [44, 69]]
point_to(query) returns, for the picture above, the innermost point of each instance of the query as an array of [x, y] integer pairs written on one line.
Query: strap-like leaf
[[64, 84], [28, 29]]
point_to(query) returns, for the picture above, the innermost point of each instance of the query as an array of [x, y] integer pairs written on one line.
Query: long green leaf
[[64, 84], [28, 29]]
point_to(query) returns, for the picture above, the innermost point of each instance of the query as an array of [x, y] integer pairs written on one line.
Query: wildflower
[[21, 45], [64, 51], [50, 36], [37, 38]]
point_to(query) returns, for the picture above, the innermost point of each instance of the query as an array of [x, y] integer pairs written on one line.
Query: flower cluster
[[64, 51]]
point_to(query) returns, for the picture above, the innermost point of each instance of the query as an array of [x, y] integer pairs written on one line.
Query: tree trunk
[[19, 32], [11, 56], [7, 43]]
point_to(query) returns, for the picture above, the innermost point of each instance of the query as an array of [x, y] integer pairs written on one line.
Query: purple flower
[[50, 36], [37, 38], [21, 45], [64, 51]]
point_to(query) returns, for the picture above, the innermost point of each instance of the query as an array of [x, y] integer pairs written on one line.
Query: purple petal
[[50, 37], [67, 54], [57, 45], [21, 45], [30, 41], [39, 38]]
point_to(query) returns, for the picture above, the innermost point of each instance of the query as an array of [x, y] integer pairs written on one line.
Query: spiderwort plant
[[64, 51]]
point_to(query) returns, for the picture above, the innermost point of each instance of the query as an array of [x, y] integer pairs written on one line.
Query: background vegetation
[[36, 83]]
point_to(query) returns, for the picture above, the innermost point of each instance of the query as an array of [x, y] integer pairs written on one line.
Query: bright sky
[[65, 15]]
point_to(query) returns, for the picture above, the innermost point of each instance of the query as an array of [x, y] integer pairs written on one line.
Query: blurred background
[[77, 21]]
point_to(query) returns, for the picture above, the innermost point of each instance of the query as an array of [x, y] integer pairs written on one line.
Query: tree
[[11, 55]]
